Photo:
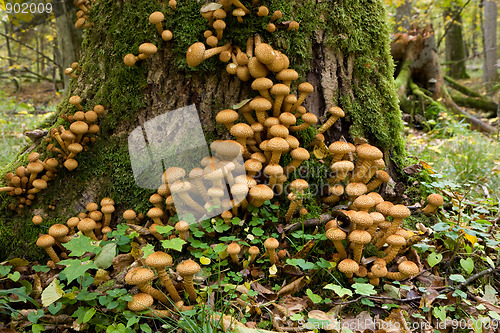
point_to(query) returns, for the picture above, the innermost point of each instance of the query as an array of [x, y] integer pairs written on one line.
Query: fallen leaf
[[121, 262], [362, 322], [292, 287], [52, 293]]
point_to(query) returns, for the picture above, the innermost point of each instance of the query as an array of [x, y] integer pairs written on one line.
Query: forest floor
[[456, 292]]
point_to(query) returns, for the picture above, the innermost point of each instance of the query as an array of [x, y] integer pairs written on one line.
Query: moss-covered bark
[[342, 48]]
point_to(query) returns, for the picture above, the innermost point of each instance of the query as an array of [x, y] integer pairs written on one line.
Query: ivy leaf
[[88, 315], [339, 290], [4, 270], [79, 245], [105, 258], [164, 230], [457, 278], [439, 312], [52, 293], [55, 307], [364, 289], [15, 276], [75, 268], [434, 258], [467, 264], [313, 297], [147, 250], [257, 231], [34, 316], [40, 268], [174, 244]]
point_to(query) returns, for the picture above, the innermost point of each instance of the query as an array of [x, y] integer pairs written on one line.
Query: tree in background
[[490, 74]]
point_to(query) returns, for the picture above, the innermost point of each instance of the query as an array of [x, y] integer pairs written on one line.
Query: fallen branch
[[308, 223], [476, 103], [458, 87], [477, 276]]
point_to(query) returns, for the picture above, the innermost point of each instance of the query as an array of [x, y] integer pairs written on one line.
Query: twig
[[379, 298], [457, 15], [308, 223], [477, 276]]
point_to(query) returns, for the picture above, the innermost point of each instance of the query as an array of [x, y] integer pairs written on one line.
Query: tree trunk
[[68, 38], [454, 43], [341, 48], [490, 43], [403, 17]]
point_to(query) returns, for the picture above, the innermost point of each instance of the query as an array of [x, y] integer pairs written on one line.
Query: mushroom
[[363, 203], [107, 210], [172, 4], [257, 129], [156, 214], [142, 302], [242, 132], [265, 53], [359, 238], [226, 216], [398, 213], [366, 155], [159, 261], [129, 215], [167, 35], [263, 84], [146, 50], [271, 27], [34, 168], [130, 59], [299, 155], [277, 146], [259, 194], [79, 128], [252, 167], [377, 271], [348, 267], [380, 177], [293, 25], [37, 220], [278, 130], [396, 242], [335, 192], [156, 200], [434, 202], [354, 190], [279, 91], [87, 226], [260, 105], [140, 277], [377, 219], [304, 89], [287, 119], [181, 188], [239, 13], [263, 11], [336, 235], [233, 249], [271, 244], [60, 234], [239, 192], [246, 110], [406, 269], [276, 15], [339, 149], [286, 76], [182, 227], [72, 224], [308, 118], [197, 53], [256, 68], [75, 101], [227, 118], [335, 114], [187, 269], [253, 253], [376, 165], [274, 171], [156, 18], [46, 242], [384, 207]]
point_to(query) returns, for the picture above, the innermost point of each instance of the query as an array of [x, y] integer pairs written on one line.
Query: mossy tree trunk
[[341, 48]]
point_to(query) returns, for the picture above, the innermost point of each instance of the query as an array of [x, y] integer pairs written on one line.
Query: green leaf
[[35, 315], [174, 244], [164, 230], [76, 268], [15, 276], [52, 293], [439, 312], [339, 290], [79, 245], [88, 315], [441, 227], [37, 328], [457, 278], [367, 301], [434, 258], [55, 307], [40, 268], [257, 231], [145, 328], [4, 270], [313, 297], [105, 258], [364, 289], [494, 315], [467, 265], [459, 293]]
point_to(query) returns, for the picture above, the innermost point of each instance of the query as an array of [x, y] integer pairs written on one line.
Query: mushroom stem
[[292, 208], [165, 280]]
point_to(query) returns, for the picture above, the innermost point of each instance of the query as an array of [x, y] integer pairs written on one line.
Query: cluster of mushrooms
[[73, 70], [82, 14], [28, 180]]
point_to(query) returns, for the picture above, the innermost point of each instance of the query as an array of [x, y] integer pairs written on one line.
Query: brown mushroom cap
[[342, 166], [408, 268], [86, 224], [148, 48], [45, 241], [79, 127], [278, 144], [130, 60], [359, 237], [58, 230], [377, 198], [253, 250], [355, 189], [362, 219], [233, 248], [340, 147], [156, 17], [364, 202], [369, 152], [182, 226], [188, 267], [226, 117], [299, 185], [195, 54], [37, 220], [300, 154], [140, 302], [348, 266], [261, 192], [158, 259], [435, 199], [335, 234], [242, 130], [139, 275], [396, 240], [271, 243], [262, 83], [265, 53], [400, 211], [384, 207], [107, 209]]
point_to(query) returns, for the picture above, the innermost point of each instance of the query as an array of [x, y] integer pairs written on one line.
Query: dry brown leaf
[[263, 291], [428, 297], [292, 287], [304, 251], [121, 262], [395, 323], [362, 322], [328, 322], [429, 280]]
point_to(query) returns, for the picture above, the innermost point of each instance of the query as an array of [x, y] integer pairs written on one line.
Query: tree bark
[[490, 74], [403, 17], [341, 48], [454, 43]]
